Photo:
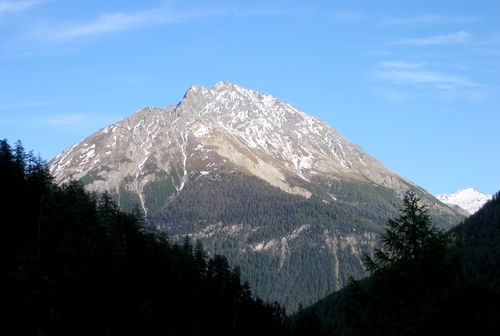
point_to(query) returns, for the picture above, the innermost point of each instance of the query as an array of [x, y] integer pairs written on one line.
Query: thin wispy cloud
[[460, 37], [107, 24], [8, 7], [431, 20], [441, 80], [38, 121], [432, 83], [71, 119], [23, 105]]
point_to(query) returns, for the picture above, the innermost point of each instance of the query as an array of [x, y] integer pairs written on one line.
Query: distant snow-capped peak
[[470, 199]]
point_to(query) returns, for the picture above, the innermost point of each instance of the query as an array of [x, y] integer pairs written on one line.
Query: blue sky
[[417, 86]]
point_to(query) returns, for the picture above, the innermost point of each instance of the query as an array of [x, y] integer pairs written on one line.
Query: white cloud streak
[[23, 105], [428, 82], [431, 20], [70, 119], [440, 80], [108, 24], [460, 37], [7, 7]]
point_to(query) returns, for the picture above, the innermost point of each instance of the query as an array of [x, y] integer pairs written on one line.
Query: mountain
[[279, 192], [469, 199]]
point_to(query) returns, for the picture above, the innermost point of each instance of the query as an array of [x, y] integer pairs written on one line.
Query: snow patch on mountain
[[470, 199]]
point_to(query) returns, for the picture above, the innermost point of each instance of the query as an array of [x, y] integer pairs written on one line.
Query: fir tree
[[412, 277]]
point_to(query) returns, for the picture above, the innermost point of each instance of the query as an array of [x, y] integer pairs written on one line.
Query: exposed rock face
[[157, 155], [223, 128]]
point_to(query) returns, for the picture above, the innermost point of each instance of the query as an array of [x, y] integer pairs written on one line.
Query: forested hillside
[[477, 239], [72, 263], [290, 248], [453, 289]]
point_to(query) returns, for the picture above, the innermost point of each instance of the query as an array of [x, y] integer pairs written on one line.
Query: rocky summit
[[280, 192]]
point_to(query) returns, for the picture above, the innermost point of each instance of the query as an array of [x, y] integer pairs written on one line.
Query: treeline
[[73, 263], [423, 281], [237, 198]]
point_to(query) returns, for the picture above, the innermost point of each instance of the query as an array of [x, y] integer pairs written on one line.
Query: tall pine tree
[[412, 277]]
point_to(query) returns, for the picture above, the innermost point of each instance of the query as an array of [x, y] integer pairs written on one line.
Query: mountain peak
[[470, 199], [224, 92], [194, 90], [223, 85], [219, 87], [469, 191]]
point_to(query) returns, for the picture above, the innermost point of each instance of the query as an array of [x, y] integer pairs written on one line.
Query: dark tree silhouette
[[73, 263], [412, 277]]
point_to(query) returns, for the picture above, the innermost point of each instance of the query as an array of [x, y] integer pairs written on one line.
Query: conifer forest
[[73, 263]]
